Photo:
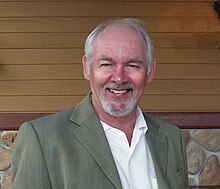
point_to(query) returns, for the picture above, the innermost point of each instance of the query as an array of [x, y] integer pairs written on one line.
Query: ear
[[86, 72], [150, 76]]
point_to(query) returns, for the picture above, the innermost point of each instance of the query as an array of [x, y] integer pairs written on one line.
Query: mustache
[[119, 86]]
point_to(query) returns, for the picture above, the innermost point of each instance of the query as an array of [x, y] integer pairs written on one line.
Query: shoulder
[[54, 118], [51, 122], [164, 127], [47, 131]]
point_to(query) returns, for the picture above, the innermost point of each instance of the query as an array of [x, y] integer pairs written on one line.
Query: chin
[[121, 111]]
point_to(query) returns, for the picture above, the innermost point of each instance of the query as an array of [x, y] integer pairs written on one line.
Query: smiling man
[[118, 75], [105, 141]]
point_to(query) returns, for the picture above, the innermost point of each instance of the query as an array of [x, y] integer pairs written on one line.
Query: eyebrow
[[136, 60], [130, 60], [103, 57]]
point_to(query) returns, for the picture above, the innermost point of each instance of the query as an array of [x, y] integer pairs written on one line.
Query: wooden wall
[[41, 45]]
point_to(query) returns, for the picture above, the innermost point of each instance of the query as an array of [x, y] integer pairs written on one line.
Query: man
[[105, 141]]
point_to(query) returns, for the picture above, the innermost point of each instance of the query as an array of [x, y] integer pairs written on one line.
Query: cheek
[[139, 80], [99, 78]]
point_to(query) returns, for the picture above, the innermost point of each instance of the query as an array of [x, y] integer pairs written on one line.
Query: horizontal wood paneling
[[39, 72], [182, 55], [187, 71], [170, 103], [86, 24], [41, 56], [74, 56], [74, 71], [62, 9], [39, 103], [81, 87], [41, 45], [181, 87], [42, 40], [48, 88], [180, 103], [76, 40]]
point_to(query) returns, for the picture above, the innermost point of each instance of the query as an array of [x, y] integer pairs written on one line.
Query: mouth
[[119, 91]]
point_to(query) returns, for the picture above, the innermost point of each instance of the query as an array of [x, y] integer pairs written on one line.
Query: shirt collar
[[140, 122]]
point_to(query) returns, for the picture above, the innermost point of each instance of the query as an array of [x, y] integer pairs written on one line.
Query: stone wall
[[203, 156], [6, 147]]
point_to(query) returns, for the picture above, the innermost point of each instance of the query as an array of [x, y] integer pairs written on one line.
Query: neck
[[125, 124]]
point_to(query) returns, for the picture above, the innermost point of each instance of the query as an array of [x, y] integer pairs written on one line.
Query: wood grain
[[41, 46], [86, 24], [76, 40], [120, 9]]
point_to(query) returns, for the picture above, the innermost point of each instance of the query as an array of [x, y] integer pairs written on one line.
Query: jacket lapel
[[91, 135], [157, 142]]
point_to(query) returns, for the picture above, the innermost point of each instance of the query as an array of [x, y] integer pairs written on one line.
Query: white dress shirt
[[134, 163]]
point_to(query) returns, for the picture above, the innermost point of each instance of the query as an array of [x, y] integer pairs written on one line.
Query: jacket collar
[[157, 142], [91, 135]]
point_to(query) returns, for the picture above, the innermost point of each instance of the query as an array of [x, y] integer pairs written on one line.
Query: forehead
[[120, 38]]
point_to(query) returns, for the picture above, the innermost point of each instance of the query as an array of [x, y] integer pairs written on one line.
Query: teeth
[[118, 92]]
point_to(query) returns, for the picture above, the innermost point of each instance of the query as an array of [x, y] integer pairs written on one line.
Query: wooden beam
[[12, 121]]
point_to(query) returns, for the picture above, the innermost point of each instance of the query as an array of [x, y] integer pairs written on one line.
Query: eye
[[105, 64], [133, 65], [105, 61]]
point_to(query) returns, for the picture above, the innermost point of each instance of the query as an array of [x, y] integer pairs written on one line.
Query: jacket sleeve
[[29, 170]]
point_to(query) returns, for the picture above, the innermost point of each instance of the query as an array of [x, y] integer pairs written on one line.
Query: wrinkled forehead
[[120, 43], [119, 37]]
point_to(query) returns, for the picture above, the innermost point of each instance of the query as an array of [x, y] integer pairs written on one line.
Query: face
[[118, 73]]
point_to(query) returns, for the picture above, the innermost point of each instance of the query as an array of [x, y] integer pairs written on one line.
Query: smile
[[118, 91]]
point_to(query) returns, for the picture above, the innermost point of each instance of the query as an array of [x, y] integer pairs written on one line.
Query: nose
[[119, 75]]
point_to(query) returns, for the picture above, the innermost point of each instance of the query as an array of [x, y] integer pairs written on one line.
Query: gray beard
[[119, 111]]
